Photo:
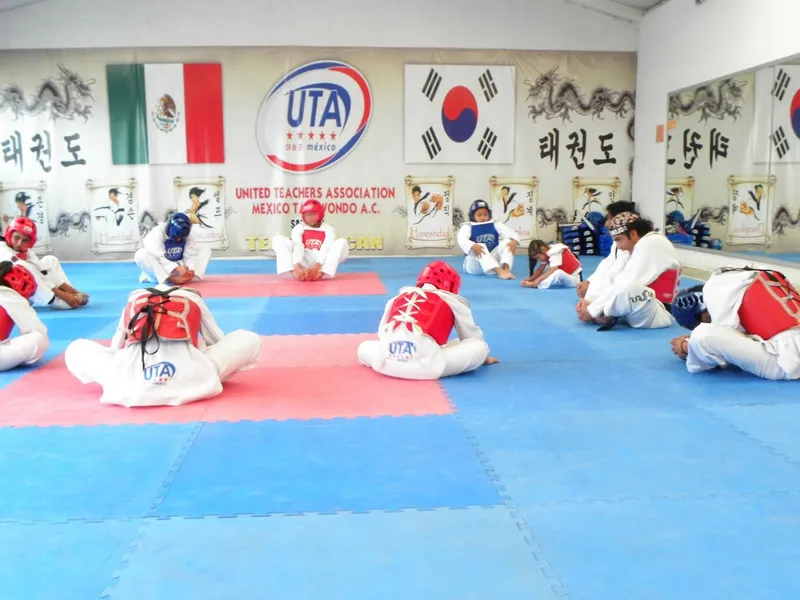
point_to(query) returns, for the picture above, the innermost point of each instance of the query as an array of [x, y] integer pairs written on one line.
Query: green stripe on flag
[[128, 114]]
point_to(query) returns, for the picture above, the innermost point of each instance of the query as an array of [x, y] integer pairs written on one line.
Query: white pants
[[454, 358], [196, 374], [55, 277], [637, 304], [284, 256], [23, 349], [489, 261], [153, 271], [714, 346], [560, 278]]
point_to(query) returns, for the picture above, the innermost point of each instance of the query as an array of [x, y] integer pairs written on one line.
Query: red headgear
[[25, 226], [440, 275], [21, 281], [313, 206]]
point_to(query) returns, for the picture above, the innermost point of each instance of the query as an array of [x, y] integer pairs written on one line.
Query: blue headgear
[[686, 306], [178, 226], [477, 205]]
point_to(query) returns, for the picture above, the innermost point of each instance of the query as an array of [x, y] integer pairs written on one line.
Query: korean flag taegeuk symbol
[[777, 114], [457, 114], [314, 116]]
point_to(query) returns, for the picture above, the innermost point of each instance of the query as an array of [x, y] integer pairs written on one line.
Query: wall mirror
[[733, 164]]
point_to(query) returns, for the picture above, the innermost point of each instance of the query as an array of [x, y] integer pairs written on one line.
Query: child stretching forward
[[558, 267]]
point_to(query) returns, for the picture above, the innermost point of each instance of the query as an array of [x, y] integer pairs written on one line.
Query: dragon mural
[[66, 96], [718, 100], [554, 96], [783, 220], [70, 221]]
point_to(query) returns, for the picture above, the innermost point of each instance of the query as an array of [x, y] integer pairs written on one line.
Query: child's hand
[[477, 249], [582, 288]]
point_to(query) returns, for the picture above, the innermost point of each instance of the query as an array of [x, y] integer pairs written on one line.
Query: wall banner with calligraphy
[[750, 207], [204, 201], [429, 216], [27, 200], [114, 216], [514, 202], [593, 195], [172, 120]]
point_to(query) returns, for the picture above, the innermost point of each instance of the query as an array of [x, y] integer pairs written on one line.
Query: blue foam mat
[[471, 554], [326, 466]]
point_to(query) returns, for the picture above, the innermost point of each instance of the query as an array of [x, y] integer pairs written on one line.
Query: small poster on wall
[[27, 200], [593, 195], [750, 207], [429, 209], [115, 216], [203, 200], [680, 196], [514, 203]]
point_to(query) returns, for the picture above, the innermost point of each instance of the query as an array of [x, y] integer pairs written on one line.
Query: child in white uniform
[[489, 245], [53, 289], [17, 285], [314, 252], [559, 267], [170, 253], [168, 350], [416, 324]]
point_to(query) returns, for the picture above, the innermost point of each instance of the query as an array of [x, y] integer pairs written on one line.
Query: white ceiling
[[628, 10], [642, 5]]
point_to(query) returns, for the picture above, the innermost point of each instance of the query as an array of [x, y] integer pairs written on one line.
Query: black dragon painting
[[718, 100], [783, 220], [66, 96], [554, 96]]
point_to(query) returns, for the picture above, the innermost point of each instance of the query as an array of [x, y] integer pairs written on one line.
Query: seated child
[[17, 285], [314, 251], [416, 324], [489, 245], [559, 266], [170, 253], [53, 289], [167, 351]]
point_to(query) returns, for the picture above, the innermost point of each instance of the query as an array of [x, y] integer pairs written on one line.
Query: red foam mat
[[253, 286], [298, 377]]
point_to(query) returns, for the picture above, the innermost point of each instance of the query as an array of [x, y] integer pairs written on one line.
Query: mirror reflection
[[733, 164]]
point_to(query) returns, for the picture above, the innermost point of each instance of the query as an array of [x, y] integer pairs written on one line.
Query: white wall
[[682, 45], [500, 24]]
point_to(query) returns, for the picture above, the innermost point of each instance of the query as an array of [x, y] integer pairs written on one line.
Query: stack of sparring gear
[[685, 232], [583, 237]]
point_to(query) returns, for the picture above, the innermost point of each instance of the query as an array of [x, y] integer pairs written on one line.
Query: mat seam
[[141, 531], [556, 584]]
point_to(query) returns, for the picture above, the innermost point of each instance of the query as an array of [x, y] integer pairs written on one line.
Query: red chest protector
[[666, 285], [423, 309], [569, 262], [174, 318], [6, 325], [313, 239], [770, 305]]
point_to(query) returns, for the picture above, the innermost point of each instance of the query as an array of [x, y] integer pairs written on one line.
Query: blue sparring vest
[[485, 233], [174, 250]]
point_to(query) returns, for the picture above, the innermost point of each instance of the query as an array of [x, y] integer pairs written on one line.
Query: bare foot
[[529, 284], [504, 274], [491, 361], [299, 273], [83, 299]]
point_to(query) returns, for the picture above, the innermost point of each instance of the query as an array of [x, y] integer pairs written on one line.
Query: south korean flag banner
[[777, 115], [459, 114]]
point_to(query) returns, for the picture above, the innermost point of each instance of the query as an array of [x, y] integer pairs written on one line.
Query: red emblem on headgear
[[21, 281], [315, 207], [23, 225], [440, 275]]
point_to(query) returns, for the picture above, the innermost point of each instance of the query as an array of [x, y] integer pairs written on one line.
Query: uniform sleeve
[[118, 338], [505, 232], [464, 233], [330, 236], [638, 268], [466, 328], [297, 243], [190, 249], [23, 315], [154, 244], [212, 333], [555, 256]]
